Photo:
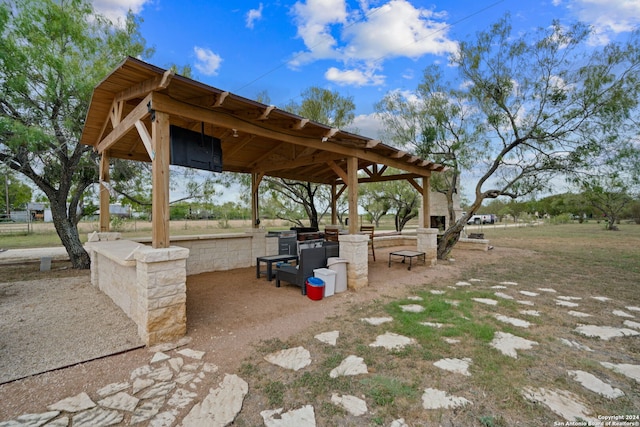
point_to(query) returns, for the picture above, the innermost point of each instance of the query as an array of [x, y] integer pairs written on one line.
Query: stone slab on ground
[[438, 399], [294, 358], [221, 406], [605, 332], [507, 344], [564, 403], [377, 321], [301, 417], [330, 338], [458, 366], [595, 384], [626, 369], [350, 366], [353, 405], [392, 341]]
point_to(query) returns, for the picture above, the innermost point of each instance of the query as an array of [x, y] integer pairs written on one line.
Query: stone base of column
[[428, 243], [354, 248]]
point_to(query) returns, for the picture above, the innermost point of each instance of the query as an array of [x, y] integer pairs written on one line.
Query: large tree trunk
[[450, 238], [69, 235]]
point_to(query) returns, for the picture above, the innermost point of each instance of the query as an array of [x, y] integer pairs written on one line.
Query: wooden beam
[[238, 146], [302, 123], [105, 216], [256, 178], [426, 202], [415, 185], [143, 88], [298, 161], [264, 156], [330, 134], [372, 143], [140, 112], [164, 103], [399, 155], [146, 138], [352, 188], [266, 112], [220, 99], [160, 181], [339, 171], [334, 204]]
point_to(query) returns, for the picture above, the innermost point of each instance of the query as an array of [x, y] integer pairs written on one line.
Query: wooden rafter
[[138, 113], [143, 88]]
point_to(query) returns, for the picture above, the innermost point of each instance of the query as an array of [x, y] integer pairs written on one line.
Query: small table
[[269, 260], [408, 254]]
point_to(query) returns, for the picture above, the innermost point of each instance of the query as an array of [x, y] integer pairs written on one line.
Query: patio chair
[[369, 229], [331, 234], [309, 260]]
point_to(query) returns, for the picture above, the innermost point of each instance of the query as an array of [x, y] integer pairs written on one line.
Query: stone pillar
[[162, 293], [428, 243], [354, 248], [98, 237], [258, 243]]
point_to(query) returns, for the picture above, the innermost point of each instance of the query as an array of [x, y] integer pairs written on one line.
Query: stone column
[[428, 243], [259, 243], [98, 237], [162, 293], [354, 248]]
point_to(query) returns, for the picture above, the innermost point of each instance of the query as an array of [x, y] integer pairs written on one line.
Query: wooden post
[[426, 194], [255, 208], [105, 215], [160, 180], [352, 188], [334, 203]]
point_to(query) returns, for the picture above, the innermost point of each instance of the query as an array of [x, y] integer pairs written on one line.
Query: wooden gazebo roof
[[132, 109], [256, 138]]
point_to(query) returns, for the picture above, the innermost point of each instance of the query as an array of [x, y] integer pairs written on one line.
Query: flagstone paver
[[412, 308], [503, 295], [463, 284], [97, 417], [564, 403], [353, 405], [564, 303], [529, 293], [507, 344], [512, 321], [534, 313], [221, 406], [159, 357], [621, 313], [330, 338], [291, 358], [193, 354], [458, 366], [414, 298], [605, 332], [631, 324], [509, 283], [525, 302], [601, 299], [377, 321], [569, 298], [433, 324], [575, 344], [301, 417], [632, 308], [438, 399], [76, 403], [350, 366], [487, 301], [578, 313], [121, 401], [595, 384], [549, 290], [626, 369], [437, 292], [392, 341]]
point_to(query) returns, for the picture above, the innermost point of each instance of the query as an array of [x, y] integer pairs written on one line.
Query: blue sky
[[361, 48]]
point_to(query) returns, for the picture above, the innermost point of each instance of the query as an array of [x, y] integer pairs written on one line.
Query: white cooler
[[329, 278]]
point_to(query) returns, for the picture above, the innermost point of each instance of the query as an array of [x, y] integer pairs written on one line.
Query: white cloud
[[254, 15], [608, 17], [354, 77], [208, 62], [362, 39], [368, 125], [116, 10]]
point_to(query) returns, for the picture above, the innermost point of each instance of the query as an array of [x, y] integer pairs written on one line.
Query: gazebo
[[135, 113]]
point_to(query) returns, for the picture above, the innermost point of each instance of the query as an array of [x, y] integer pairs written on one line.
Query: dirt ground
[[228, 313]]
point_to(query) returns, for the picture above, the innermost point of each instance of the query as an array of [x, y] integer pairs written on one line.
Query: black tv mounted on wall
[[195, 149]]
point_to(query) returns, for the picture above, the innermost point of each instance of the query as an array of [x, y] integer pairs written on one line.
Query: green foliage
[[324, 106]]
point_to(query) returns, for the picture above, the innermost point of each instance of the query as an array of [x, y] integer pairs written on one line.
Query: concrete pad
[[566, 303], [458, 366], [392, 341], [330, 338], [351, 404], [291, 358], [621, 313], [412, 308], [437, 399], [549, 290], [626, 369], [377, 321], [487, 301], [605, 332], [503, 295], [512, 321], [221, 406], [595, 384], [352, 365], [301, 417], [578, 313], [507, 344], [563, 403]]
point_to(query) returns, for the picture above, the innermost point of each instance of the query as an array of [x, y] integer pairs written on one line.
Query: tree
[[322, 106], [398, 197], [53, 54], [15, 192], [539, 98]]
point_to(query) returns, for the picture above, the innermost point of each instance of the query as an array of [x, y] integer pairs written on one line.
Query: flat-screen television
[[195, 149]]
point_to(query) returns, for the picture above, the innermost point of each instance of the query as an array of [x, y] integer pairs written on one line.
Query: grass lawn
[[578, 261]]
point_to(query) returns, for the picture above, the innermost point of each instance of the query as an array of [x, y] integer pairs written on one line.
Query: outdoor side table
[[269, 260], [408, 254]]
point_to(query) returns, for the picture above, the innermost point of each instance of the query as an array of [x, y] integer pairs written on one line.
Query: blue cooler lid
[[315, 281]]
